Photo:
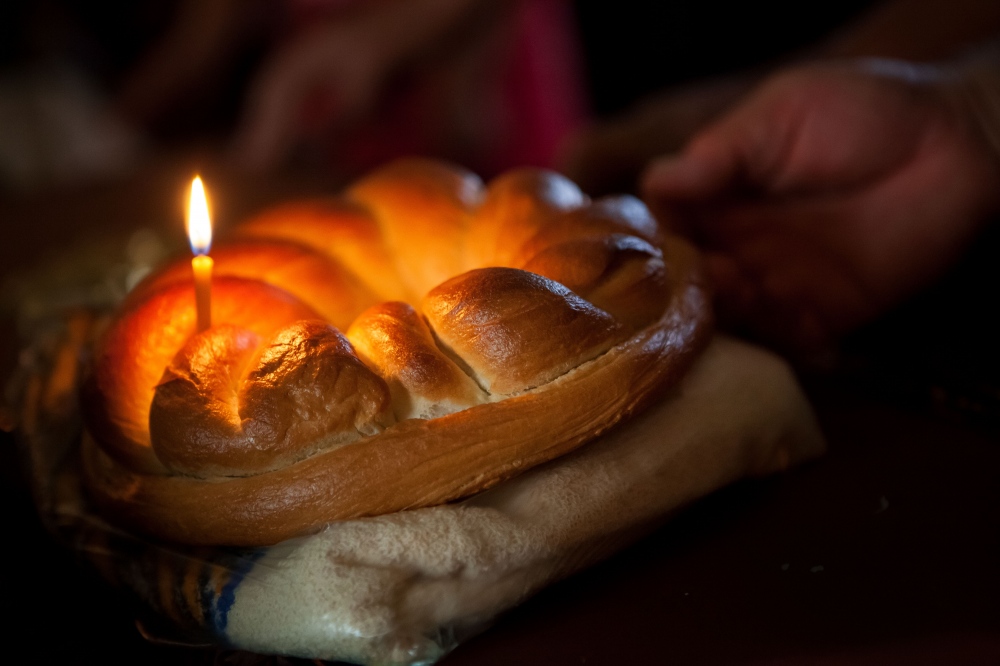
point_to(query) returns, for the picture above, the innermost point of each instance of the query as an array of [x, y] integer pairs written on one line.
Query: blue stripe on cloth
[[241, 567]]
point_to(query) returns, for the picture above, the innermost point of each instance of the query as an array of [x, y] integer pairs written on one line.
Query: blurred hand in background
[[828, 195], [489, 84], [89, 91], [822, 194], [609, 155]]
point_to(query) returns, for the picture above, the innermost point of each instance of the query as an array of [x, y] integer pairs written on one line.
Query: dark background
[[630, 49], [911, 407]]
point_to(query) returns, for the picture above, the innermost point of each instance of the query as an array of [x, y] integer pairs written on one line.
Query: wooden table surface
[[886, 551]]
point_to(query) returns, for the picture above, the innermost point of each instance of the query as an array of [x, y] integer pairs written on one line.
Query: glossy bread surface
[[419, 339]]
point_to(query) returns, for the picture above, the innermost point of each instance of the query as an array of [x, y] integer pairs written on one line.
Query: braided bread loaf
[[415, 341]]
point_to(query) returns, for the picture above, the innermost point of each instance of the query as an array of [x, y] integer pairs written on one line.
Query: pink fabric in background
[[518, 115], [544, 83]]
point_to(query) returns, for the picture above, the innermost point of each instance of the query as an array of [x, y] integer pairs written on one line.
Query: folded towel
[[403, 588]]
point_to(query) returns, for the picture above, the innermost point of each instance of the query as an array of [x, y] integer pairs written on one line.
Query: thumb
[[270, 125], [705, 169]]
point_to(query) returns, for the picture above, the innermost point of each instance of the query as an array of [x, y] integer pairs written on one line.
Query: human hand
[[195, 52], [608, 157], [831, 194], [325, 78]]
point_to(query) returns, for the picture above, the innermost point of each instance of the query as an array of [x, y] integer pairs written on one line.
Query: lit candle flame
[[199, 230], [199, 226]]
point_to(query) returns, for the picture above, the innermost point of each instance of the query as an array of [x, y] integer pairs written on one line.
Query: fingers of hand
[[804, 132], [314, 69], [268, 128], [787, 290]]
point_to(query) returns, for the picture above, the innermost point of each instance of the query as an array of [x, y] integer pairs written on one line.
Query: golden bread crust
[[342, 230], [136, 349], [517, 205], [547, 319], [230, 404], [315, 279], [514, 330], [395, 340]]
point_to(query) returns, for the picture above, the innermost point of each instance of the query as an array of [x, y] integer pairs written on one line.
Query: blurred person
[[487, 83], [93, 90]]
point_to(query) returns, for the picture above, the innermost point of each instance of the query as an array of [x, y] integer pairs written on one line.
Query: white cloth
[[397, 588]]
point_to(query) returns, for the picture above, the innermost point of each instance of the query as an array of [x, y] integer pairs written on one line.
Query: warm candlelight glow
[[199, 226], [199, 229]]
